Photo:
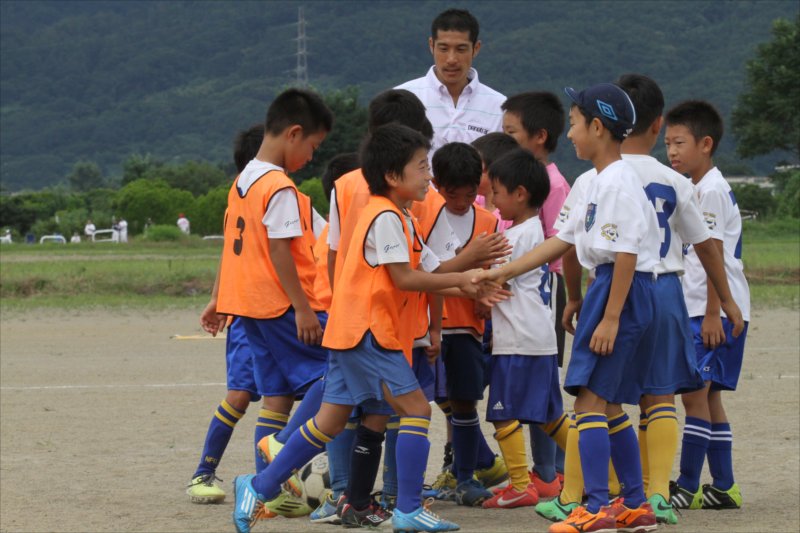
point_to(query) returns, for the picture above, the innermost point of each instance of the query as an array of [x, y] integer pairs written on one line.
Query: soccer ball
[[316, 480]]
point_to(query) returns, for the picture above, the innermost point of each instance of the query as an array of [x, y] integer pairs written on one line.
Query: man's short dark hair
[[538, 111], [700, 117], [338, 166], [457, 165], [456, 20], [387, 150], [493, 146], [400, 106], [520, 168], [647, 98], [298, 107], [246, 145]]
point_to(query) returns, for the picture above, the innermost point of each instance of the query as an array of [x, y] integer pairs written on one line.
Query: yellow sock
[[512, 446], [662, 445], [643, 450], [573, 475], [558, 430]]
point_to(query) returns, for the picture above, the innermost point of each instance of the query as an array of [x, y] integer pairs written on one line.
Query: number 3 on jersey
[[238, 243], [663, 198]]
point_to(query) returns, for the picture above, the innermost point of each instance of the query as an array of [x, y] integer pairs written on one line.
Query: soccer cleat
[[268, 448], [202, 489], [544, 489], [423, 519], [554, 510], [665, 514], [493, 475], [288, 505], [247, 503], [326, 513], [582, 521], [471, 493], [681, 498], [636, 520], [509, 497], [714, 498], [387, 501], [445, 486], [372, 516]]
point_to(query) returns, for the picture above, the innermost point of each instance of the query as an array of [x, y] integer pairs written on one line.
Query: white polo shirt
[[476, 114]]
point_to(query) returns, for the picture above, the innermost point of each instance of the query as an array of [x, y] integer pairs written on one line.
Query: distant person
[[183, 223], [89, 228], [6, 237], [114, 230], [122, 227], [75, 239], [459, 107]]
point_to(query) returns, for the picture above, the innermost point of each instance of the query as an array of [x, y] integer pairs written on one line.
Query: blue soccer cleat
[[247, 503], [420, 520]]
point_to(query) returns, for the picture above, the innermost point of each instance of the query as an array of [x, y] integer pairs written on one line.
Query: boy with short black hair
[[694, 130], [369, 348]]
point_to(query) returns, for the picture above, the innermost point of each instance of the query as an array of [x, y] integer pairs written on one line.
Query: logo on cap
[[606, 110]]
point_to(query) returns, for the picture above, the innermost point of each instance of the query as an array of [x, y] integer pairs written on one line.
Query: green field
[[162, 275]]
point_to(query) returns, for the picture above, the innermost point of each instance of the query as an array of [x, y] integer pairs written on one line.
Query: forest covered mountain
[[99, 80]]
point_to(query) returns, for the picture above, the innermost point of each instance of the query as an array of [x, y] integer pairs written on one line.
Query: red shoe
[[509, 497], [545, 490], [636, 520]]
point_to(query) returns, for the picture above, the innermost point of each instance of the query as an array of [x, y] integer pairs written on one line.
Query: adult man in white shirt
[[459, 107]]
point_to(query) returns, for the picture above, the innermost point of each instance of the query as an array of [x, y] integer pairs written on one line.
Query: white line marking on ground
[[117, 386]]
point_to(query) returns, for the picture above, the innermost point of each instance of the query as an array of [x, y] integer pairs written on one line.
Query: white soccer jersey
[[476, 113], [615, 216], [523, 324], [722, 217]]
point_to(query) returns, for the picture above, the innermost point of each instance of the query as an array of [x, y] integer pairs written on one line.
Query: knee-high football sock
[[340, 451], [512, 445], [625, 456], [696, 435], [643, 452], [720, 457], [572, 492], [268, 422], [593, 443], [543, 450], [217, 438], [662, 445], [303, 445], [390, 457], [412, 457], [364, 466], [466, 427], [308, 407]]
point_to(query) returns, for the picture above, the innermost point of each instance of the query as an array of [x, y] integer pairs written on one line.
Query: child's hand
[[604, 335], [435, 348], [712, 331], [491, 294], [494, 276], [309, 330], [572, 311], [211, 321], [487, 250], [734, 315], [482, 310]]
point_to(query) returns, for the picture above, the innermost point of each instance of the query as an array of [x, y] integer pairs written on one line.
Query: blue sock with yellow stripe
[[412, 458], [217, 438], [594, 448], [340, 451], [304, 444], [390, 457], [625, 456], [309, 406], [268, 422]]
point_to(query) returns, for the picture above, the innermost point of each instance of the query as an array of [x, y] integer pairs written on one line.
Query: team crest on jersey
[[711, 219], [609, 232], [591, 211], [563, 215]]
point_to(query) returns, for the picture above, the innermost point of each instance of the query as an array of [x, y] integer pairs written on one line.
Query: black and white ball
[[316, 480]]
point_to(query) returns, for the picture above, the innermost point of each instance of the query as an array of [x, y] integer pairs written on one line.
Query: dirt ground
[[103, 415]]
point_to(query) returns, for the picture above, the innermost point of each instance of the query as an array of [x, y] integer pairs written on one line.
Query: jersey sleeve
[[282, 218], [569, 204], [388, 239], [689, 222], [317, 223], [619, 223], [429, 261], [712, 205], [551, 210], [334, 231]]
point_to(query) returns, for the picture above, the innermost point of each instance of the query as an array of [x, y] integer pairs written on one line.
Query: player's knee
[[238, 399]]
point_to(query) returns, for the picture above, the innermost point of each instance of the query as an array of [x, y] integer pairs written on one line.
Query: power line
[[301, 70]]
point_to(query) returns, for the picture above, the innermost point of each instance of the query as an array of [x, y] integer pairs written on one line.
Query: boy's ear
[[597, 126], [655, 127], [520, 193], [294, 131], [540, 136], [706, 144], [392, 179]]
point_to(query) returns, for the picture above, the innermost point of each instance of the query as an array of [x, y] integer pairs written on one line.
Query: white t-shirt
[[89, 229], [462, 224], [722, 217], [386, 243], [523, 324], [442, 239], [318, 223], [476, 113], [334, 226], [613, 215], [282, 217], [183, 224]]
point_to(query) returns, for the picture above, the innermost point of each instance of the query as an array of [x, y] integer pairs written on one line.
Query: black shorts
[[465, 367]]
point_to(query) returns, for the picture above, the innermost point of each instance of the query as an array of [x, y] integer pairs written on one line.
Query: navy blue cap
[[610, 104]]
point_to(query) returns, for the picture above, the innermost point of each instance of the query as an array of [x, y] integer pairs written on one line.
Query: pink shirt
[[548, 214]]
